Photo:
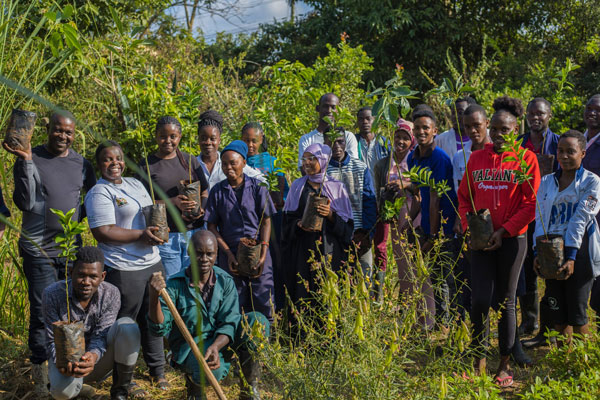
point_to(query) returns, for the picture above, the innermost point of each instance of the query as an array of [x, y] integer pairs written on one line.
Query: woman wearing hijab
[[299, 243]]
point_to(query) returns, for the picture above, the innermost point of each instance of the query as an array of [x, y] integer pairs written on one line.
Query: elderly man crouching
[[215, 291]]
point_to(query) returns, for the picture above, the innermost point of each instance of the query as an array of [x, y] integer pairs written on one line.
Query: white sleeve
[[301, 148], [351, 144]]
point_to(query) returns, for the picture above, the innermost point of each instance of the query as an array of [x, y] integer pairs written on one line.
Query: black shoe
[[122, 376], [529, 313], [537, 341], [251, 371], [519, 356], [194, 391]]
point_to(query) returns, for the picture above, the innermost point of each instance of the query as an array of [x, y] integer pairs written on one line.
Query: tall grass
[[33, 50]]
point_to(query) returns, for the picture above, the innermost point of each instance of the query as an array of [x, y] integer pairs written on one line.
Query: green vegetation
[[119, 65]]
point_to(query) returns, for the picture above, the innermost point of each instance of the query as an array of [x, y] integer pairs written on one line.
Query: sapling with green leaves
[[513, 144], [67, 243]]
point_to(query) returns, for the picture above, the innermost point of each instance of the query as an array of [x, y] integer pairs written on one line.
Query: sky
[[245, 17]]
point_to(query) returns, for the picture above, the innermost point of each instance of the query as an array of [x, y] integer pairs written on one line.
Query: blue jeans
[[40, 272], [174, 253]]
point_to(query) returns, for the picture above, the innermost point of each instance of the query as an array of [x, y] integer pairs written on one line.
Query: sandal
[[505, 382], [135, 391], [161, 382]]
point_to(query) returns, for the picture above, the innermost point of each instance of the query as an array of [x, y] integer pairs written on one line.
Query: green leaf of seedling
[[117, 20], [67, 11], [509, 159]]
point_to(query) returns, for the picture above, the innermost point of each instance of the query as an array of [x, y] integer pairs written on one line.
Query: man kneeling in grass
[[220, 317], [111, 344]]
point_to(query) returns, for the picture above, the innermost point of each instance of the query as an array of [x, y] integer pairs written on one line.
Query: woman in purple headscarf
[[335, 236]]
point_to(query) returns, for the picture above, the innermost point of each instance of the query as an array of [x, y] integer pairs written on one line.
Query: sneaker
[[39, 374]]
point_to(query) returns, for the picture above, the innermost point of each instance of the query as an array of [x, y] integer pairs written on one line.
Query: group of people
[[114, 288]]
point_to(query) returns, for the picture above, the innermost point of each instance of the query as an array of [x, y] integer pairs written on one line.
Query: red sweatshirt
[[494, 187]]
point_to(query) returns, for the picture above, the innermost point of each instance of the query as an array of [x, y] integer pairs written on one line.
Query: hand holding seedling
[[232, 262], [324, 210], [149, 237], [83, 367], [566, 270], [495, 241], [22, 154]]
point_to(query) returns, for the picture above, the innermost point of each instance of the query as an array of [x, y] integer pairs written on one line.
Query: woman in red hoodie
[[512, 206]]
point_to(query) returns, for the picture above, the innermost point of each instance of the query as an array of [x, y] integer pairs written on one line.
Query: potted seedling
[[550, 248], [20, 129], [156, 214], [192, 191], [69, 336]]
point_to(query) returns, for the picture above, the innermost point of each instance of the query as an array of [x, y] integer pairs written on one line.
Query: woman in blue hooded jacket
[[568, 204]]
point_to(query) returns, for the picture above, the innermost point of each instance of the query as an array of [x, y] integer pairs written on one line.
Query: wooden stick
[[190, 341]]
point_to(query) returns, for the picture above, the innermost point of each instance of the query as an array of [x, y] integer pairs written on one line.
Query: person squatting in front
[[111, 344], [568, 202], [221, 328], [239, 207], [495, 269]]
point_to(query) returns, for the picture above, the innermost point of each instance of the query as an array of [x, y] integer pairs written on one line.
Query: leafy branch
[[513, 144], [450, 92]]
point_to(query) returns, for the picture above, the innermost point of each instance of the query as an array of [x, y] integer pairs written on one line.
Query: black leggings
[[496, 272], [134, 288]]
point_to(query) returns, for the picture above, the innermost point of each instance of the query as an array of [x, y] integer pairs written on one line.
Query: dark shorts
[[568, 300]]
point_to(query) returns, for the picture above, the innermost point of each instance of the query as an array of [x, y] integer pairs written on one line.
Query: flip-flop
[[505, 382], [161, 382]]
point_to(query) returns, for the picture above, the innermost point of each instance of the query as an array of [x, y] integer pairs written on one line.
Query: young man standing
[[111, 344], [48, 176], [591, 162], [450, 140], [371, 149], [437, 213], [326, 108], [357, 178]]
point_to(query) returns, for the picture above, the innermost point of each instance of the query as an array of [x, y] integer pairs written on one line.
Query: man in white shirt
[[327, 107], [450, 140]]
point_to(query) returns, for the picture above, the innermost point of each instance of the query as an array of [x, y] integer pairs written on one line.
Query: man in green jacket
[[216, 293]]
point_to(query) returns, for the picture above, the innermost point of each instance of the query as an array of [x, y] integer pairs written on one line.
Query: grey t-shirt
[[121, 205]]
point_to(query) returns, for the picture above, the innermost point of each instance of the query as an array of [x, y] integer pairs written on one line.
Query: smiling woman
[[115, 217]]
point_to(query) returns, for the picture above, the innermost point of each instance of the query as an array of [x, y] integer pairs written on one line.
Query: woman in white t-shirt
[[114, 209]]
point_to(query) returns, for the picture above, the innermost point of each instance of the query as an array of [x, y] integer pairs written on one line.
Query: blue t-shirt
[[438, 162]]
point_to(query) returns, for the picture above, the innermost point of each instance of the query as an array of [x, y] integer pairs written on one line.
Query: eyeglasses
[[309, 159]]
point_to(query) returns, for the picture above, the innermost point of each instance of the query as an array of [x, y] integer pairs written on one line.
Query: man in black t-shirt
[[48, 176]]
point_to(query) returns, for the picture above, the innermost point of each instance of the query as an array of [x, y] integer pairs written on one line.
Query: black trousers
[[496, 272], [134, 288], [40, 272]]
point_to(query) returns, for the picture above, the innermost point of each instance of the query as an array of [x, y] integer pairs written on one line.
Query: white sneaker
[[39, 374]]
